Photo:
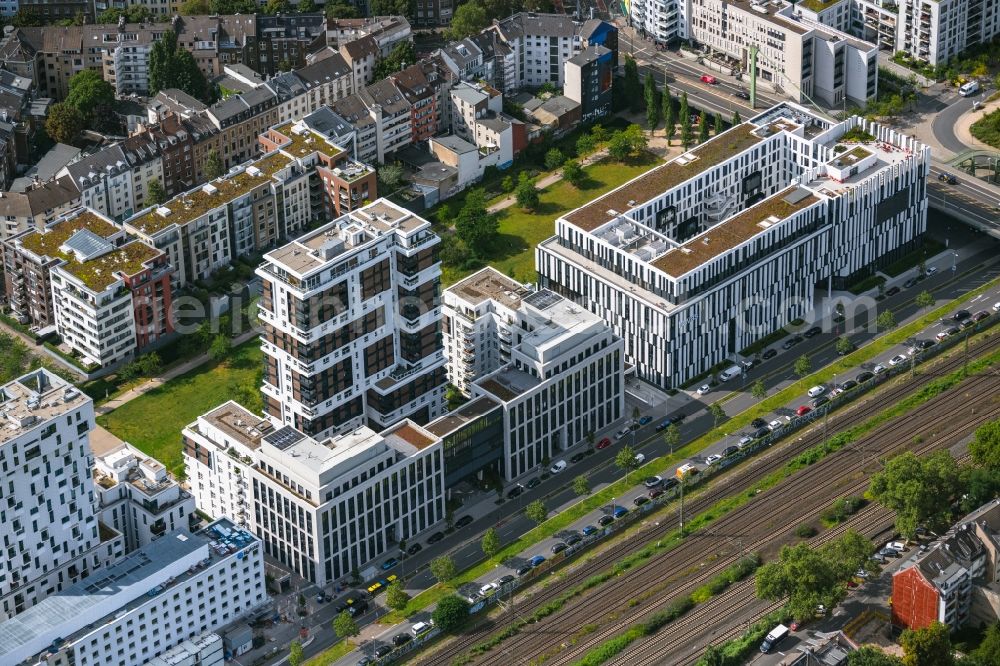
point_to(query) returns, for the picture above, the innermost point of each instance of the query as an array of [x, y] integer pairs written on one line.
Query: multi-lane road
[[684, 75]]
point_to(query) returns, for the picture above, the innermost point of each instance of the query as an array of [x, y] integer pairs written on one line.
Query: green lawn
[[153, 421], [514, 249]]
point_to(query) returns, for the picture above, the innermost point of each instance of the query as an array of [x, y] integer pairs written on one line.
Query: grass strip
[[564, 519], [616, 645], [332, 654], [724, 506]]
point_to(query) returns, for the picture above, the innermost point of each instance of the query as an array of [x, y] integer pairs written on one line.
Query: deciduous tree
[[717, 412], [451, 613], [985, 446], [526, 194], [581, 485], [631, 85], [443, 568], [474, 225], [869, 655], [930, 646], [625, 460], [672, 437], [345, 626], [63, 123], [718, 124], [155, 194], [295, 654], [924, 299], [172, 66], [703, 128], [396, 597], [919, 489], [490, 542], [844, 346], [886, 320], [651, 95], [469, 19], [341, 10], [802, 366], [758, 390], [573, 173], [554, 159], [536, 512]]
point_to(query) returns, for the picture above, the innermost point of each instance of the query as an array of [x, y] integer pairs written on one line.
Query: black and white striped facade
[[698, 272]]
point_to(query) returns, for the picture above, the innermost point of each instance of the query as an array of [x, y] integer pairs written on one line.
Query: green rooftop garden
[[48, 243], [818, 5], [100, 272]]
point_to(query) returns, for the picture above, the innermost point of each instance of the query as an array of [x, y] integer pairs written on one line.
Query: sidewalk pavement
[[159, 380]]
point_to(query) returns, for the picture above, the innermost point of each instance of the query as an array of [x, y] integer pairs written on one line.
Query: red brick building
[[915, 600]]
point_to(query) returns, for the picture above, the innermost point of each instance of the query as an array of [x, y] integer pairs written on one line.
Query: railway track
[[763, 523], [750, 473]]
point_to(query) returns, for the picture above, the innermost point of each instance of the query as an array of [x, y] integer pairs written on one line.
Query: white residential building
[[934, 31], [352, 323], [538, 46], [480, 323], [105, 181], [110, 302], [50, 531], [147, 603], [324, 508], [138, 497], [561, 369], [800, 58], [695, 260]]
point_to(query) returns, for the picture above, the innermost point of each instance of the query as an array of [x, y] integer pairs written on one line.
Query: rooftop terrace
[[304, 141], [33, 399], [411, 434], [239, 423], [489, 283], [508, 383], [465, 414], [734, 231], [657, 181]]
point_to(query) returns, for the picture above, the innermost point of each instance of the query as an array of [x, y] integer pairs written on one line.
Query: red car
[[803, 410], [705, 78], [604, 443]]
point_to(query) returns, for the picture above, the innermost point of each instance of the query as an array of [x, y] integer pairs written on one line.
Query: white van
[[421, 628], [970, 88], [731, 372], [777, 635]]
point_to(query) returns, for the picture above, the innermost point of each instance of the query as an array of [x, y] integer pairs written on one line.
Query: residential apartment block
[[37, 206], [52, 54], [957, 580], [556, 369], [797, 55], [138, 497], [695, 260], [302, 179], [171, 591], [30, 256], [51, 533], [589, 77], [110, 302], [930, 30], [324, 508], [352, 323]]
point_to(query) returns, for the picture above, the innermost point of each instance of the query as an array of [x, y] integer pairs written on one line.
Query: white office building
[[147, 603], [322, 508], [50, 532], [556, 369], [695, 260], [352, 323], [138, 497]]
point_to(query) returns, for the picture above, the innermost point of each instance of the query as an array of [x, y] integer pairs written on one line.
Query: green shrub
[[805, 531]]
